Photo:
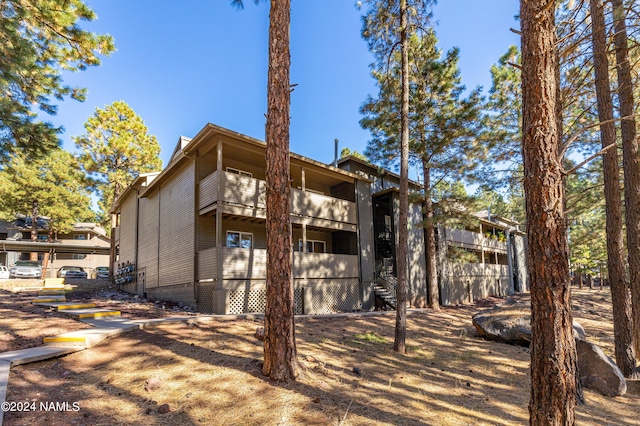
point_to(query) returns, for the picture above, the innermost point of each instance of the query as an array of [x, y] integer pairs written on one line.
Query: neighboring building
[[494, 261], [86, 245], [195, 232]]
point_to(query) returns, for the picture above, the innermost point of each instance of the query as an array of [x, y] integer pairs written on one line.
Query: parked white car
[[4, 273]]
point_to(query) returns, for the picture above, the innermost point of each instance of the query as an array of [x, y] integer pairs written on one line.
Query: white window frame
[[239, 172], [240, 239], [313, 242]]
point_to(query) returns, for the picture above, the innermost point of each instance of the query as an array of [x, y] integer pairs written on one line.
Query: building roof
[[186, 149]]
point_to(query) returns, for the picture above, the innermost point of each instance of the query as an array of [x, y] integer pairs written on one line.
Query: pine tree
[[55, 183], [40, 39], [280, 352], [621, 298], [116, 148], [553, 352], [442, 128], [631, 161], [387, 24]]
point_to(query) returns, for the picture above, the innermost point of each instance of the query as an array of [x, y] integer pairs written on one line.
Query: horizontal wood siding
[[208, 188], [325, 265], [207, 264], [322, 207], [250, 192], [243, 190], [252, 264], [479, 269], [177, 229], [128, 223], [206, 232], [244, 264], [148, 239]]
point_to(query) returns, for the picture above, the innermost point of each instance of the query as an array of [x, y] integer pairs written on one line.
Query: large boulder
[[598, 372], [511, 324]]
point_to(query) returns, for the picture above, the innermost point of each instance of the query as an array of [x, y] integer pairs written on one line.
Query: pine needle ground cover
[[210, 373]]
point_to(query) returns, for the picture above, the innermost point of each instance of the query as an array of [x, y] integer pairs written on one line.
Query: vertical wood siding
[[177, 227]]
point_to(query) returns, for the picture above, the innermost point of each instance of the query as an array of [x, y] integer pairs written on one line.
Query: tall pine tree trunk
[[631, 162], [553, 351], [430, 238], [621, 298], [403, 234], [280, 353]]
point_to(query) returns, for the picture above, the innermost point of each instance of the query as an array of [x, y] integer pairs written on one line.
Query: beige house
[[195, 232]]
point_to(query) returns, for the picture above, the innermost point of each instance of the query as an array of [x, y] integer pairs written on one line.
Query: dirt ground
[[208, 372]]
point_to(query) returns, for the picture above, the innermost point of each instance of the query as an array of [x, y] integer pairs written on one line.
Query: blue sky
[[182, 64]]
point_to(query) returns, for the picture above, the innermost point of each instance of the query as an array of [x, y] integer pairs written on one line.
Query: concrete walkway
[[106, 323]]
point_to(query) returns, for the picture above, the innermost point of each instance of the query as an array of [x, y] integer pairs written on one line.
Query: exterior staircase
[[385, 289]]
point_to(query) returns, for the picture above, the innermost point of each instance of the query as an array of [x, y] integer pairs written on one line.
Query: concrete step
[[25, 356], [90, 313], [50, 292], [61, 306], [71, 305], [89, 337], [49, 299]]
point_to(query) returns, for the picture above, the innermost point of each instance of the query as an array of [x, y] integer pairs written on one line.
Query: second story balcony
[[249, 194]]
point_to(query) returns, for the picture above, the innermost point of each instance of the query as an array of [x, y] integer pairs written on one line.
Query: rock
[[164, 409], [598, 372], [357, 371], [260, 333], [152, 384], [511, 324]]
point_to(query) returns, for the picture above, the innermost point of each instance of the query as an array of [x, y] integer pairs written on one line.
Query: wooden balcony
[[243, 264], [245, 192], [474, 240]]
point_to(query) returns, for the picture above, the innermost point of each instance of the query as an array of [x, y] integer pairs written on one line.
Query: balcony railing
[[474, 239], [248, 192], [479, 270], [241, 264]]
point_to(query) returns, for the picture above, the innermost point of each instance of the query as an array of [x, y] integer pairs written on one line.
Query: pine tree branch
[[575, 136], [588, 159]]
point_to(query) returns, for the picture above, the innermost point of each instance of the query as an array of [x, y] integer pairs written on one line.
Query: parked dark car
[[72, 272], [26, 269], [102, 272]]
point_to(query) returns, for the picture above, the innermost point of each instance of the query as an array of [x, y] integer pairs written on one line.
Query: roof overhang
[[42, 247]]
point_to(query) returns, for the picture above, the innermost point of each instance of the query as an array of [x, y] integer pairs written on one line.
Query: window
[[314, 246], [239, 172], [79, 256], [43, 237], [79, 237], [239, 239]]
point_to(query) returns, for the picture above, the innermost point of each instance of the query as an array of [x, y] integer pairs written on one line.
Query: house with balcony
[[196, 231]]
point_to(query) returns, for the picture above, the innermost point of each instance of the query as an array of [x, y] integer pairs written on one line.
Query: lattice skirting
[[330, 299], [317, 299], [253, 301]]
